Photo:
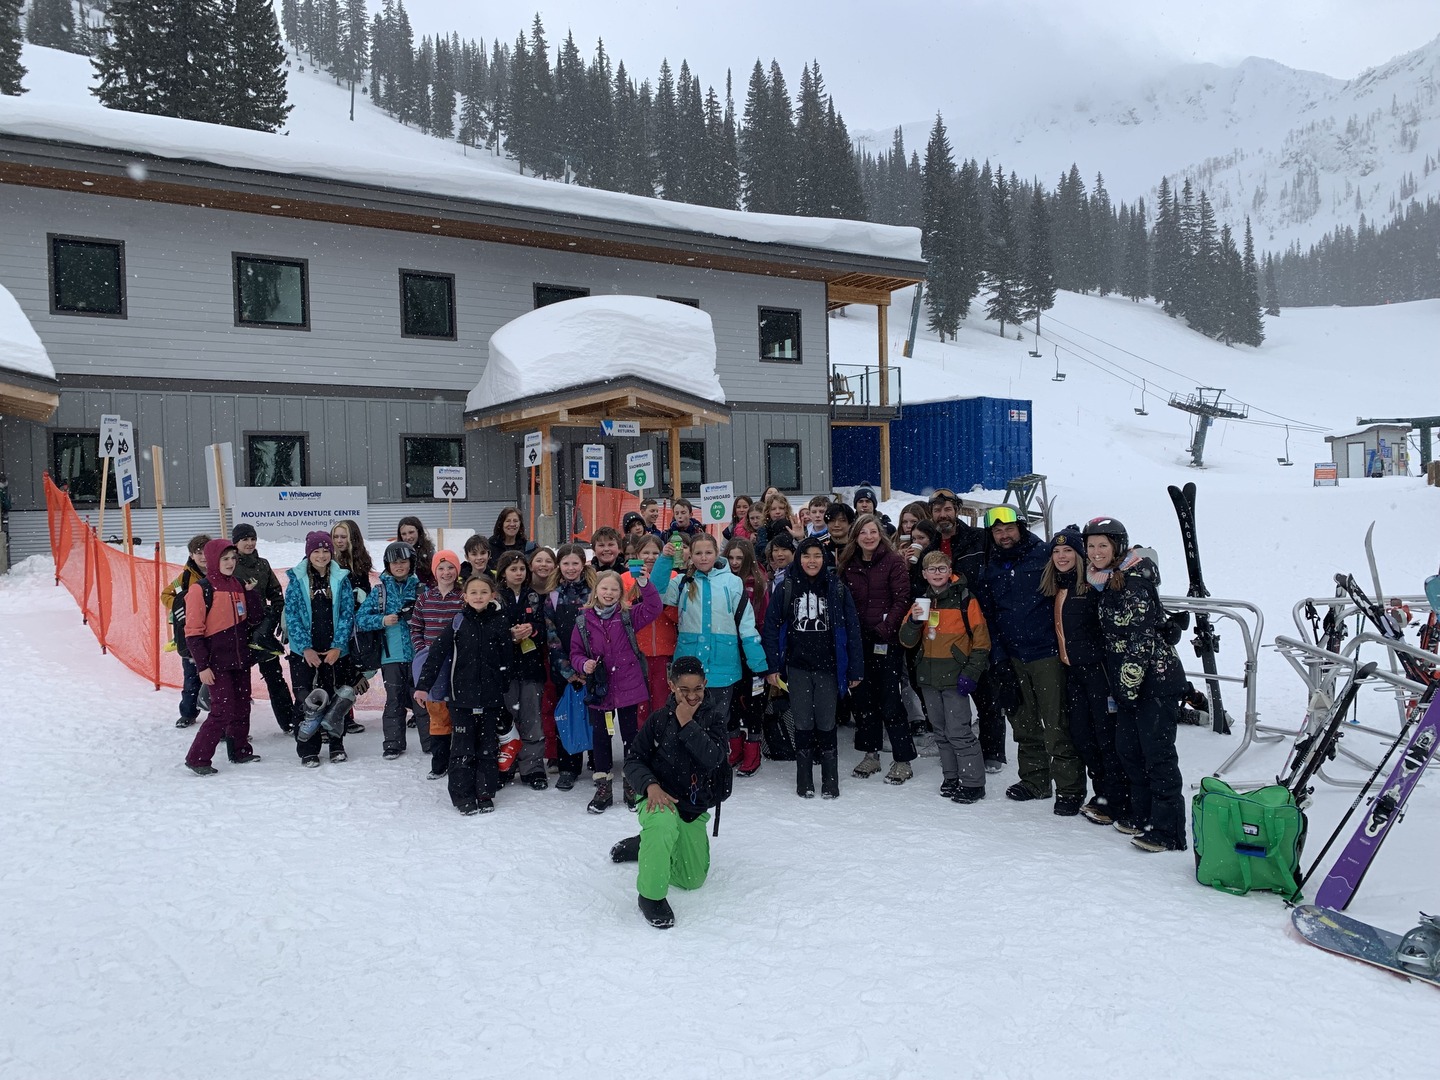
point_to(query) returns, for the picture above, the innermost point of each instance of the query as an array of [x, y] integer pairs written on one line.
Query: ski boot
[[1419, 950], [335, 722], [312, 711]]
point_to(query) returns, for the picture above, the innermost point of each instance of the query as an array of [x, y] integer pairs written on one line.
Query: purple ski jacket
[[610, 645]]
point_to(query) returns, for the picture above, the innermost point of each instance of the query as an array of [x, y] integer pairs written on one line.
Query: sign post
[[449, 484], [594, 455], [109, 440], [717, 502], [640, 470], [157, 466], [620, 429], [531, 457], [1326, 474], [220, 472]]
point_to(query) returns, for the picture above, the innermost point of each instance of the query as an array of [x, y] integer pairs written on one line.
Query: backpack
[[177, 614], [440, 689], [367, 647], [597, 683], [1247, 841]]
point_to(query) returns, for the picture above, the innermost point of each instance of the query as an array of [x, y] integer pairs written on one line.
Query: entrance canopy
[[27, 378], [576, 363]]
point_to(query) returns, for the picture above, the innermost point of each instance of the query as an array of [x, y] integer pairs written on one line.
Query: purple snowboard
[[1344, 879]]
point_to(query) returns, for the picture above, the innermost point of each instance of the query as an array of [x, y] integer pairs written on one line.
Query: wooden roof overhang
[[656, 407], [28, 397]]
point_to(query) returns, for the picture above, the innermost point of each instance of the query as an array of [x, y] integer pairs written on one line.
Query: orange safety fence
[[610, 507], [119, 597]]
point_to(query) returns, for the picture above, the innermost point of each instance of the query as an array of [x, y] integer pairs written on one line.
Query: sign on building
[[290, 513], [620, 429], [532, 451], [110, 436], [594, 457], [640, 470], [449, 481], [717, 502]]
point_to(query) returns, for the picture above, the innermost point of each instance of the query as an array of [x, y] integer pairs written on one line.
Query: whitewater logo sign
[[289, 513]]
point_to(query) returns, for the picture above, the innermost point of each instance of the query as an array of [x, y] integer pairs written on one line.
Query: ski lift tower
[[1206, 405]]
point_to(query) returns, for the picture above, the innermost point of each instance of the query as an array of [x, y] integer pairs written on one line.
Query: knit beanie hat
[[317, 539], [243, 531], [444, 556], [1069, 537]]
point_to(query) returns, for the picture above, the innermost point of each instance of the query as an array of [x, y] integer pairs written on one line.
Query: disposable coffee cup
[[922, 608]]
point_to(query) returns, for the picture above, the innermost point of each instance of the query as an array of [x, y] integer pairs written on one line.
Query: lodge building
[[327, 316]]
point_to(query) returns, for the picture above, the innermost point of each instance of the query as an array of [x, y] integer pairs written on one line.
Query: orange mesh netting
[[610, 507], [119, 597]]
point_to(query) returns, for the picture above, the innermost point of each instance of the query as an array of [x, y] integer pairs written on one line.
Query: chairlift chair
[[1286, 459], [1035, 349], [1059, 375], [1141, 410]]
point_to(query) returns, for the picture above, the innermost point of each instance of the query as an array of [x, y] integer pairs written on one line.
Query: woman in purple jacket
[[604, 641], [879, 580]]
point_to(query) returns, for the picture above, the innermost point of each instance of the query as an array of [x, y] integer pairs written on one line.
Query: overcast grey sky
[[899, 61]]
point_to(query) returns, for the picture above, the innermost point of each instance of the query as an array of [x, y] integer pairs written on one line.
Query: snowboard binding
[[1419, 950]]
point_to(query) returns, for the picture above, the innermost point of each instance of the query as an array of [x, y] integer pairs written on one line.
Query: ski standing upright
[[1206, 641]]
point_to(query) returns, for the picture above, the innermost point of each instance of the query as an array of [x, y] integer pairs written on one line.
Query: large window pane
[[782, 465], [75, 464], [270, 292], [780, 334], [545, 295], [692, 468], [277, 461], [427, 305], [421, 456], [87, 277]]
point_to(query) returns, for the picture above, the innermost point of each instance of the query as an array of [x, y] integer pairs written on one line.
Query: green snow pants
[[1042, 737], [672, 852]]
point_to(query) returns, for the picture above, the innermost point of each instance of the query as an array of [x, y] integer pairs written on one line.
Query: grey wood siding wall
[[180, 287]]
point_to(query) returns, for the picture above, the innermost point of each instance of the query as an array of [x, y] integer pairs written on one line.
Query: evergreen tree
[[354, 46], [572, 110], [12, 72], [1252, 323], [422, 78], [290, 20], [256, 96], [51, 23], [400, 39], [1038, 285], [497, 94], [379, 56], [603, 140], [166, 57], [972, 208], [1165, 269], [1003, 264], [669, 166], [728, 149], [1272, 293], [811, 146], [1102, 238], [1204, 307], [442, 113], [1135, 280], [939, 243]]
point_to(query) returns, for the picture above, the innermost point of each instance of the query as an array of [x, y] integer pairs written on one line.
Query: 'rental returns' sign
[[291, 512]]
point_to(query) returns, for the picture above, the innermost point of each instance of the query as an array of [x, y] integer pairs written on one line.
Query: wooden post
[[883, 322], [674, 463], [158, 638], [104, 494], [157, 464], [449, 513], [130, 561], [594, 499], [532, 470], [220, 488], [547, 474], [884, 462]]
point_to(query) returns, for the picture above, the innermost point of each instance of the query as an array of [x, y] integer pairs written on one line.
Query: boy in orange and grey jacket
[[954, 647], [219, 611]]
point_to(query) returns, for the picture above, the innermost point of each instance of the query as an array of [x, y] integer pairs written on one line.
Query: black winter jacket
[[483, 657], [526, 608], [1021, 617], [679, 759], [1137, 656], [967, 552], [1080, 622]]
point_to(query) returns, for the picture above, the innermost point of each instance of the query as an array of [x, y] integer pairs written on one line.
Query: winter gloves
[[965, 686]]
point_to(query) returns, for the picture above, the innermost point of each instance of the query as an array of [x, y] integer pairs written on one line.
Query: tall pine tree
[[256, 94], [1038, 285], [1002, 271], [939, 242], [12, 72]]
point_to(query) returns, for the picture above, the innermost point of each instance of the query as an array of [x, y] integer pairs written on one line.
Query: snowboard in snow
[[1344, 936]]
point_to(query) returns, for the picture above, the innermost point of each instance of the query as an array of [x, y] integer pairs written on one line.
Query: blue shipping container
[[955, 444]]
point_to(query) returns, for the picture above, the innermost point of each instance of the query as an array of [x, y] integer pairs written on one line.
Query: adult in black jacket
[[480, 656], [1022, 629], [525, 614], [1087, 686], [257, 574], [671, 763]]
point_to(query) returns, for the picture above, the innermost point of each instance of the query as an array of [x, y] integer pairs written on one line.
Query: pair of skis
[[1206, 640]]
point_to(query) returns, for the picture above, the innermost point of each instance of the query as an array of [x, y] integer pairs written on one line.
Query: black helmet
[[1112, 528], [399, 550]]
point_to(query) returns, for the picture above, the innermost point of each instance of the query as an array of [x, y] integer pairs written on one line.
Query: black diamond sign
[[110, 444], [449, 488]]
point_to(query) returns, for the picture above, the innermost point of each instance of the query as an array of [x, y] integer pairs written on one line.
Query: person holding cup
[[953, 642]]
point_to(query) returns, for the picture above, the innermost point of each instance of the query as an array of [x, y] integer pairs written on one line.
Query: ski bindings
[[1419, 950]]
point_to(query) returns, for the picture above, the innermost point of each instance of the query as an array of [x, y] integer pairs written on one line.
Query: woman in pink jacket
[[603, 648]]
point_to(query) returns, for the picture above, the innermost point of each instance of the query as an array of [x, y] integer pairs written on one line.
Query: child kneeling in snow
[[671, 762], [218, 635], [477, 652]]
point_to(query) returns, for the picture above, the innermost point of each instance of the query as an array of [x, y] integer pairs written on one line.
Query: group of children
[[519, 662]]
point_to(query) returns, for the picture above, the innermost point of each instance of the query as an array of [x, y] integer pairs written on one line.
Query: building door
[[1355, 459]]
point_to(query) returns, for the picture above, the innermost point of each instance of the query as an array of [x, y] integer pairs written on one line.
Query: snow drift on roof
[[190, 140], [20, 347], [594, 338]]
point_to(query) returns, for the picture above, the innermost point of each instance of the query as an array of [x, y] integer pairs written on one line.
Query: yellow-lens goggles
[[1000, 515]]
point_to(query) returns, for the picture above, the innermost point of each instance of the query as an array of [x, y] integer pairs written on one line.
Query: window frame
[[799, 357], [118, 245], [773, 444], [686, 301], [249, 438], [437, 275], [404, 464], [579, 292], [666, 484], [302, 263], [63, 481]]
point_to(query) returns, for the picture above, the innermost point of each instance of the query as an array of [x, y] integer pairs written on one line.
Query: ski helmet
[[400, 550], [1111, 528]]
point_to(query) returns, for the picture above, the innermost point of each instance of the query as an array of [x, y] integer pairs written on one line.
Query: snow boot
[[967, 795], [337, 756], [565, 781], [391, 753], [1152, 841], [485, 806], [829, 765], [203, 770], [604, 797], [186, 721], [900, 771], [1021, 793], [632, 801], [869, 766], [239, 757], [469, 807], [750, 759], [1067, 805], [949, 787], [657, 913], [994, 765], [311, 762], [536, 782], [351, 727], [1096, 811], [804, 764], [312, 709], [627, 850], [1127, 826], [737, 748]]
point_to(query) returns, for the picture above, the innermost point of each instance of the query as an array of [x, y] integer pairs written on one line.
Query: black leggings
[[627, 719]]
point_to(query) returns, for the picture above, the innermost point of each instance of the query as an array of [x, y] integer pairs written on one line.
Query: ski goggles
[[1000, 515]]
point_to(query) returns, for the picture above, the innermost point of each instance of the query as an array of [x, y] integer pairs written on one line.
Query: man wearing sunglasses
[[1022, 625]]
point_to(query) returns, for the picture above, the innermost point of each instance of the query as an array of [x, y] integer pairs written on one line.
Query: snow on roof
[[594, 338], [20, 347], [190, 140], [1350, 433]]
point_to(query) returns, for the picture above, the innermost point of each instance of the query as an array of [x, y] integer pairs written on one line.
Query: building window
[[692, 468], [277, 460], [782, 465], [427, 305], [420, 455], [680, 300], [75, 464], [545, 295], [780, 334], [272, 293], [87, 277]]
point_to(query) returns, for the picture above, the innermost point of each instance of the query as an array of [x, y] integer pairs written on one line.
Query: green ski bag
[[1247, 841]]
